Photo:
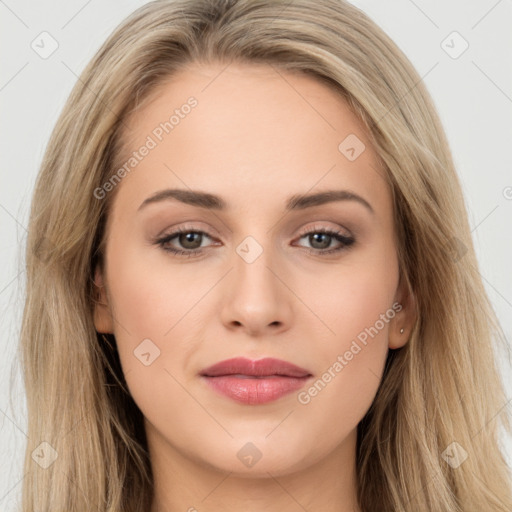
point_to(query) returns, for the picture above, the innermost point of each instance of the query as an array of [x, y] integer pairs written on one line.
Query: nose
[[256, 298]]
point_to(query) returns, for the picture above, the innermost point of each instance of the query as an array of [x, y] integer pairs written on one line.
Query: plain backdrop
[[471, 87]]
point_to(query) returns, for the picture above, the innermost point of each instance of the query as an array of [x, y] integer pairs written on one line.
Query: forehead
[[252, 130]]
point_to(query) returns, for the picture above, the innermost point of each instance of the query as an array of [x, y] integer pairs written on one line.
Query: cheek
[[350, 298], [337, 400], [356, 309], [352, 363], [150, 298], [157, 313]]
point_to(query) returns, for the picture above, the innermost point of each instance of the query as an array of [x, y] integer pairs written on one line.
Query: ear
[[103, 321], [405, 316]]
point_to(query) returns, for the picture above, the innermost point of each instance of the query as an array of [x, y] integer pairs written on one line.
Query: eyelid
[[189, 226], [208, 231], [337, 229]]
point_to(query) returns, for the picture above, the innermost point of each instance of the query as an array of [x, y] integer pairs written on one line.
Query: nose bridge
[[256, 297], [254, 257]]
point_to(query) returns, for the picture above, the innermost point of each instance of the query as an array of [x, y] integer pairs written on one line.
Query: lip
[[255, 381]]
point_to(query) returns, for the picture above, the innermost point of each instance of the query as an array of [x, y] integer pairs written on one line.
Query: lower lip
[[254, 391]]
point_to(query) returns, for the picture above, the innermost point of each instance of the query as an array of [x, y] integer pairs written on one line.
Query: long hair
[[431, 439]]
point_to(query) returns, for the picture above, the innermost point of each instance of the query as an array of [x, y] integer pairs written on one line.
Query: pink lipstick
[[255, 382]]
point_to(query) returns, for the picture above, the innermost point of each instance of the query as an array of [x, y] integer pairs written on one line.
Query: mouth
[[240, 376], [255, 382], [265, 367]]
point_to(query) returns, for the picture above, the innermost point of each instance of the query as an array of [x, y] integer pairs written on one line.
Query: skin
[[256, 137]]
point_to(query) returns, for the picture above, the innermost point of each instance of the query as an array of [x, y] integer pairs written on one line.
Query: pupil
[[188, 238], [322, 244]]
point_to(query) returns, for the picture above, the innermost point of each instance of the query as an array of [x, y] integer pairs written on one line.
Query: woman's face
[[244, 148]]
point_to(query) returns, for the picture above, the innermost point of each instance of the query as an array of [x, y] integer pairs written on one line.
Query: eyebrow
[[213, 202]]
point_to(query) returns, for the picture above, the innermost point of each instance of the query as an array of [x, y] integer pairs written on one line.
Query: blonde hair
[[442, 387]]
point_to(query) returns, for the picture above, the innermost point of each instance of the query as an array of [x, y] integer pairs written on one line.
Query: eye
[[321, 239], [191, 240]]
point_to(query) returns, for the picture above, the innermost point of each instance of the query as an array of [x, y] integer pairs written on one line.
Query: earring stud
[[401, 330]]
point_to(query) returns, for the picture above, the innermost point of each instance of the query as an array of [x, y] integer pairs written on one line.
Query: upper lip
[[258, 368]]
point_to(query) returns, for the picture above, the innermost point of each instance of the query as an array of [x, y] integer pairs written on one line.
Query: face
[[261, 272]]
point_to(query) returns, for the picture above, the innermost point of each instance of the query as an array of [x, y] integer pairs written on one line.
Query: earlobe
[[102, 316], [398, 339], [402, 324]]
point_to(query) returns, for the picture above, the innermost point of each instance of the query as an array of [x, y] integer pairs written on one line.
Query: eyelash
[[345, 240]]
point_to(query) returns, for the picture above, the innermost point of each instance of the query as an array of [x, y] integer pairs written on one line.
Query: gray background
[[473, 94]]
